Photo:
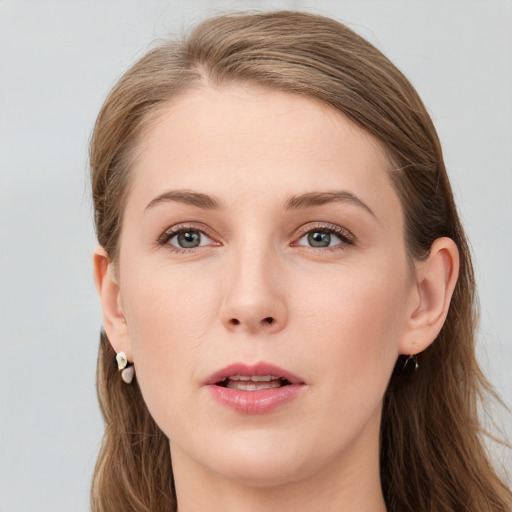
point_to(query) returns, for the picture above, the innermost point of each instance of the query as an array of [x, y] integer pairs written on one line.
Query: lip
[[254, 402], [258, 370]]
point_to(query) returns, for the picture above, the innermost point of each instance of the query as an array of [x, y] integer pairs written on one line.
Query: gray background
[[57, 61]]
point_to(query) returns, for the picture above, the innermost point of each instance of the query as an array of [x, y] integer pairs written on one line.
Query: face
[[264, 282]]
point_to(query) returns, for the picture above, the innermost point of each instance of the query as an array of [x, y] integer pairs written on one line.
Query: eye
[[189, 239], [319, 239], [325, 237]]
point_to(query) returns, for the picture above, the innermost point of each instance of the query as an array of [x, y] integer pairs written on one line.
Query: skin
[[341, 314]]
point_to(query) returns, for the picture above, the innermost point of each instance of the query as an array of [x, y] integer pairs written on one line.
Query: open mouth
[[254, 388], [253, 382]]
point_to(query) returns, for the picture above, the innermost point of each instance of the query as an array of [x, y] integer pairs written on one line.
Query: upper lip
[[257, 370]]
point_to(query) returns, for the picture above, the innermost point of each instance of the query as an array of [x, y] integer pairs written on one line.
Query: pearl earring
[[127, 372]]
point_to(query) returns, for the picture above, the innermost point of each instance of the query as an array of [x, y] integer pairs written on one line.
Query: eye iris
[[189, 239], [319, 239]]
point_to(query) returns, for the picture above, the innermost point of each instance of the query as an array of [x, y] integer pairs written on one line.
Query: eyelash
[[166, 236], [345, 236]]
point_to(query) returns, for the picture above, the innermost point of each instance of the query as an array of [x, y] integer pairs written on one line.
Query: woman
[[288, 297]]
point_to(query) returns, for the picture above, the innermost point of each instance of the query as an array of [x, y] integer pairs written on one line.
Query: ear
[[114, 321], [435, 281]]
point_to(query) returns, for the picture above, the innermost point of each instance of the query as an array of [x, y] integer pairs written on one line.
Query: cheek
[[168, 315], [350, 334], [357, 321], [164, 305]]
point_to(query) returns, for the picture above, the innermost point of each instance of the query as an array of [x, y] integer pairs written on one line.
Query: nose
[[254, 295]]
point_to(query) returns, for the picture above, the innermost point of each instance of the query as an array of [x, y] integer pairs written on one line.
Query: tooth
[[252, 378], [264, 378], [252, 386]]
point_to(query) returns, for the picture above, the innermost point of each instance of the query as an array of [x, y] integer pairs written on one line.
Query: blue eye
[[325, 236], [319, 239], [189, 239]]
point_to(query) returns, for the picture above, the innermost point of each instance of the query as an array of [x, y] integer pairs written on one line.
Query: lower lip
[[255, 402]]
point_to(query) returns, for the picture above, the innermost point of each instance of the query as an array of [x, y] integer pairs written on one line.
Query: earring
[[412, 358], [127, 372]]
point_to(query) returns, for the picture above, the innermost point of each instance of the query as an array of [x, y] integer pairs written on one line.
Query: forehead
[[236, 141]]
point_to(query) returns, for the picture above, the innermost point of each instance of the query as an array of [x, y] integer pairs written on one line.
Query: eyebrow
[[298, 202], [312, 199], [186, 197]]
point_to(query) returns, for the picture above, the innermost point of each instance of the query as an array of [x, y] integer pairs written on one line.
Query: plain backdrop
[[58, 59]]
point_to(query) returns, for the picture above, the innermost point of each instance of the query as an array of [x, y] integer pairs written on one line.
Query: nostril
[[267, 320]]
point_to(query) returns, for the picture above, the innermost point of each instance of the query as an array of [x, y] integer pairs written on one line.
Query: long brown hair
[[433, 457]]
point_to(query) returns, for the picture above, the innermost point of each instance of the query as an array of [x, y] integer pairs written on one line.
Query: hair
[[432, 452]]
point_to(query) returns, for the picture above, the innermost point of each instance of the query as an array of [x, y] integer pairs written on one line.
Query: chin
[[267, 458], [261, 471]]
